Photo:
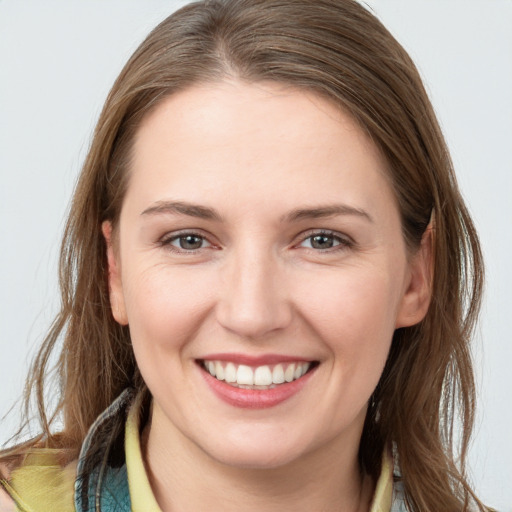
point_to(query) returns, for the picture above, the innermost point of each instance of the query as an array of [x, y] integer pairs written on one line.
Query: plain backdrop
[[58, 60]]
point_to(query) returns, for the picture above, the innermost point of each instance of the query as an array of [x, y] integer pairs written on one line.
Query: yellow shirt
[[143, 499], [42, 484]]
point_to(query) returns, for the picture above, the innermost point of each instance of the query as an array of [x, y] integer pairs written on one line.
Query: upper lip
[[253, 360]]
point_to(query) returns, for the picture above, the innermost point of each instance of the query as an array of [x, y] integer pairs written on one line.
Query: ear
[[418, 292], [115, 284]]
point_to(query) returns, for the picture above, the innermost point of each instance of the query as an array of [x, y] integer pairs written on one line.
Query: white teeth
[[278, 374], [230, 373], [219, 370], [245, 375], [288, 374], [263, 376]]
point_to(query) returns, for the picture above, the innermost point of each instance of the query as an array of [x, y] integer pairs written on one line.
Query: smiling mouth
[[258, 377]]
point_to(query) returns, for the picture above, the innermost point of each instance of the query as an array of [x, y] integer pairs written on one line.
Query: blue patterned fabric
[[102, 481]]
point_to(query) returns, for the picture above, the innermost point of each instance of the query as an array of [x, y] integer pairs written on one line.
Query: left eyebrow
[[182, 208], [325, 211]]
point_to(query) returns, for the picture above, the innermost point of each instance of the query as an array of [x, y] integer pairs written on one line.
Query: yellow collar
[[141, 495], [143, 499]]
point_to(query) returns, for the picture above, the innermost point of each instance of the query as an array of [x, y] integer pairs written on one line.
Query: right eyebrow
[[328, 210], [182, 208]]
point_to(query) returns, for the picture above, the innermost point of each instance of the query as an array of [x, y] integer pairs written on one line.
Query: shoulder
[[6, 502], [44, 481]]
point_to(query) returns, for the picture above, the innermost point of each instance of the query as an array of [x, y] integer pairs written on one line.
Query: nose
[[253, 297]]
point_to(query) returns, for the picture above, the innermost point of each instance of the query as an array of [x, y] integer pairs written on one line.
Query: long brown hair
[[339, 50]]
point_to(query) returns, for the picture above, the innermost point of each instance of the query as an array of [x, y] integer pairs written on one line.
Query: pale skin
[[297, 251]]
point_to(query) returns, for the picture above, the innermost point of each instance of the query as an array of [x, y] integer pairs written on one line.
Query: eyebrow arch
[[182, 208], [205, 212], [326, 211]]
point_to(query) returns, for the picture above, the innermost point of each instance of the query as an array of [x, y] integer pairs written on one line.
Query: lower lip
[[255, 398]]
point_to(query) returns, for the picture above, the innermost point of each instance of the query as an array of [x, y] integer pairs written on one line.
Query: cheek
[[353, 313], [165, 307], [164, 310]]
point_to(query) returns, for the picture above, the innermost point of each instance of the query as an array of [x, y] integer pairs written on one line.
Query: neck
[[183, 477]]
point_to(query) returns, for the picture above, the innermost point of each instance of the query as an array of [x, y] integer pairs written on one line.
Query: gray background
[[57, 62]]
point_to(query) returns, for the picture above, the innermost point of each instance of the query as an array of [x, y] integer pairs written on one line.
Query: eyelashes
[[186, 242], [325, 241], [189, 242]]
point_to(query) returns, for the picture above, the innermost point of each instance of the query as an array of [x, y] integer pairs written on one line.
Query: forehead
[[268, 113], [233, 139]]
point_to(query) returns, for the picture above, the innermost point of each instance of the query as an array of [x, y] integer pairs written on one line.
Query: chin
[[261, 450], [254, 458]]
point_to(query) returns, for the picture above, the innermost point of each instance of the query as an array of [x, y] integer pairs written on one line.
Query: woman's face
[[260, 239]]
